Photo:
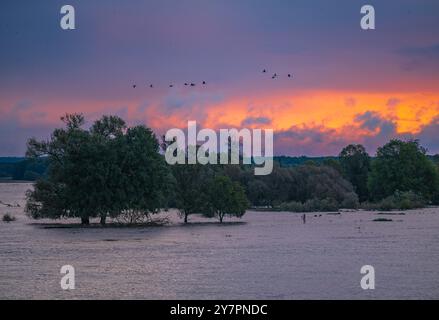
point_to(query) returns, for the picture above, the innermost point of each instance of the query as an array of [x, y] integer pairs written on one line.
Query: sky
[[349, 85]]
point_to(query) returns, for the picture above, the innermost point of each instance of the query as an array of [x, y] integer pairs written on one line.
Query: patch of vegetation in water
[[8, 218], [398, 201], [115, 225], [382, 220], [391, 213]]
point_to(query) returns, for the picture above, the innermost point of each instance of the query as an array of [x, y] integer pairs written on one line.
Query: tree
[[190, 184], [145, 176], [334, 164], [319, 182], [355, 163], [403, 166], [257, 192], [226, 198], [104, 171]]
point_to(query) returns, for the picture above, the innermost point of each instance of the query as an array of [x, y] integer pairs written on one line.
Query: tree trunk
[[85, 221], [103, 220], [221, 217], [185, 217]]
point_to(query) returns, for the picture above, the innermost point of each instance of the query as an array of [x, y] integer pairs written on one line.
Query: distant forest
[[25, 169], [21, 168]]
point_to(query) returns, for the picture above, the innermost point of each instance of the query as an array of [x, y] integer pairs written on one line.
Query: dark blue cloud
[[14, 134], [431, 51], [370, 120], [251, 121], [429, 136]]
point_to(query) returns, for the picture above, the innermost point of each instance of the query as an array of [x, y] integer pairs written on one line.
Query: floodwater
[[267, 255]]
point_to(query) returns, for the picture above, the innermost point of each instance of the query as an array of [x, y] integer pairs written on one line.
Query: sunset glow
[[347, 86]]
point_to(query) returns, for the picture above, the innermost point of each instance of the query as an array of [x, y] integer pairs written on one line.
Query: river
[[264, 255]]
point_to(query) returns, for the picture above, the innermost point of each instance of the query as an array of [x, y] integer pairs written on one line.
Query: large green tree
[[403, 166], [104, 171], [355, 163]]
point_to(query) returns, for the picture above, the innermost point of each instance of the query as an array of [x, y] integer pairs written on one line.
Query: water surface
[[265, 256]]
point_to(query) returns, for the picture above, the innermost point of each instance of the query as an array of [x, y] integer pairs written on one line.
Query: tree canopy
[[104, 171], [355, 163], [403, 166], [226, 197]]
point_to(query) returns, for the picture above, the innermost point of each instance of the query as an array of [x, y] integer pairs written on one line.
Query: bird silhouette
[[134, 86], [264, 71], [186, 84], [204, 82], [289, 75], [171, 85], [192, 84], [151, 86], [274, 76]]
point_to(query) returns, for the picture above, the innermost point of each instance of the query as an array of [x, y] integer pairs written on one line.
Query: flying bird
[[151, 86], [186, 84], [192, 84], [204, 82], [289, 75], [134, 86], [264, 71], [171, 85]]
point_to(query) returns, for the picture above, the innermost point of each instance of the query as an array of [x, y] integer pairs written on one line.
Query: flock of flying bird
[[276, 75], [171, 85], [192, 84]]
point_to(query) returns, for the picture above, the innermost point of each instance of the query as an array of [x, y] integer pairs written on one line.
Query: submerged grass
[[8, 218]]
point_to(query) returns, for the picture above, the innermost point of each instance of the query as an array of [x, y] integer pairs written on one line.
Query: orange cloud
[[330, 109], [340, 114]]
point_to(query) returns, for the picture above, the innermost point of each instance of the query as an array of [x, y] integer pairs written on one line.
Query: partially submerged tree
[[190, 183], [226, 198], [98, 172]]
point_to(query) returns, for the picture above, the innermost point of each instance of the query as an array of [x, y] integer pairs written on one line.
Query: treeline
[[15, 168], [112, 170], [399, 176]]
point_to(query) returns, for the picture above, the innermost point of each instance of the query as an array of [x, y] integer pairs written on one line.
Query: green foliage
[[350, 201], [334, 164], [311, 205], [355, 164], [226, 197], [100, 172], [190, 186], [397, 201], [257, 191], [403, 166], [303, 183]]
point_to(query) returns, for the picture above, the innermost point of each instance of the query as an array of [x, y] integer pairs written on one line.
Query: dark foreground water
[[266, 256]]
